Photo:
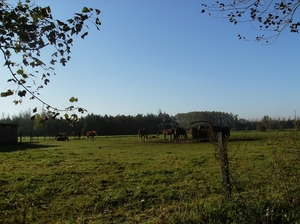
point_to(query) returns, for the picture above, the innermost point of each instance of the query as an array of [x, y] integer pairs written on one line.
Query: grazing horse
[[203, 132], [77, 135], [195, 134], [224, 130], [209, 133], [200, 133], [143, 135], [169, 132], [62, 136], [180, 132], [90, 135]]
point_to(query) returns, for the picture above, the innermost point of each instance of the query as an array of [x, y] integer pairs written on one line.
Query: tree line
[[129, 125]]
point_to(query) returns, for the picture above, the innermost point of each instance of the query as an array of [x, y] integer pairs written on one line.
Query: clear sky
[[166, 55]]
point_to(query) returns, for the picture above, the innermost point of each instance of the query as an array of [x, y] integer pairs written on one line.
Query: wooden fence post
[[224, 166]]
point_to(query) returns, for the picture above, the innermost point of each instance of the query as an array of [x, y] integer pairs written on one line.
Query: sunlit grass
[[120, 180]]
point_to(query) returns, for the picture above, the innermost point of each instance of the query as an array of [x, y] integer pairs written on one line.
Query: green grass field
[[117, 179]]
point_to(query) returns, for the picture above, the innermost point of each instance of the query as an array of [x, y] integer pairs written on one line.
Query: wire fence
[[34, 138]]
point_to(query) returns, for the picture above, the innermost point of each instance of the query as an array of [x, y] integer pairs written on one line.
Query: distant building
[[8, 133]]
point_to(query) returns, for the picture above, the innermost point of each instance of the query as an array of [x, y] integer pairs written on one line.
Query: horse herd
[[176, 134], [63, 136], [198, 134], [201, 133]]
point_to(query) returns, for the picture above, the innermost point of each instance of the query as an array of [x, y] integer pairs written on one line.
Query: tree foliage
[[213, 117], [25, 31], [129, 125], [166, 121], [268, 16]]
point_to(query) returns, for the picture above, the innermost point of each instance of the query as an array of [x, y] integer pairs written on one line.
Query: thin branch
[[28, 91]]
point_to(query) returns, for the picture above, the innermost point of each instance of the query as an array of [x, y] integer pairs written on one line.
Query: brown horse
[[143, 134], [77, 135], [180, 132], [169, 132], [90, 135], [62, 136]]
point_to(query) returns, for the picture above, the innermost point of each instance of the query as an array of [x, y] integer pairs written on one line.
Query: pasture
[[118, 179]]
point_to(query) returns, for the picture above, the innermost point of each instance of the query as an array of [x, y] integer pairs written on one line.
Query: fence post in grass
[[224, 165]]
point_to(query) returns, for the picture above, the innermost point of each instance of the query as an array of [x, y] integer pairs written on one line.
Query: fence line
[[34, 138]]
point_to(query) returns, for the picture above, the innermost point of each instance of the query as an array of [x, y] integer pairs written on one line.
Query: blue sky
[[166, 55]]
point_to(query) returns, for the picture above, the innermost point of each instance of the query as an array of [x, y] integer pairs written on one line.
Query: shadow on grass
[[204, 140], [22, 146]]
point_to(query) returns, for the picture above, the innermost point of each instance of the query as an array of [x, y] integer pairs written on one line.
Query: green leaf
[[81, 110], [70, 41], [60, 23], [7, 93], [85, 9], [73, 31], [83, 35], [43, 76], [73, 99], [63, 61], [48, 9], [20, 71], [22, 93], [46, 81], [98, 21], [97, 11], [52, 62]]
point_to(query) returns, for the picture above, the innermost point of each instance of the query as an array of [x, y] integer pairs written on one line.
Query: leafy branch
[[27, 29], [265, 16]]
